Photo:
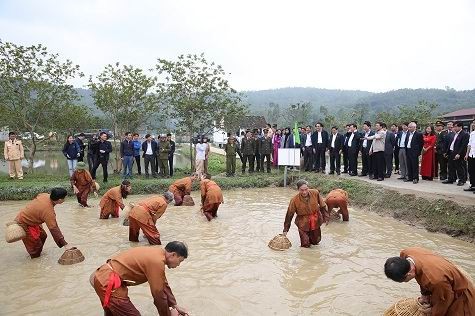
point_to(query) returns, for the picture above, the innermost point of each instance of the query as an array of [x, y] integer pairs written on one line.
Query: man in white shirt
[[377, 151], [336, 147], [149, 149], [470, 158], [402, 152], [307, 148], [366, 159], [320, 143]]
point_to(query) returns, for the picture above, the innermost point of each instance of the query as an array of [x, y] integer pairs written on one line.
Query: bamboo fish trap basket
[[71, 256], [126, 212], [280, 242], [14, 232], [405, 307], [188, 201]]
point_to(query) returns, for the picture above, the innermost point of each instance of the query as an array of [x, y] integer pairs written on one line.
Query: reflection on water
[[230, 269], [53, 162]]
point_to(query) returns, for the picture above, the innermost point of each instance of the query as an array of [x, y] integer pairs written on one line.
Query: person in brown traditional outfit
[[444, 287], [311, 212], [338, 198], [182, 187], [82, 183], [111, 201], [136, 266], [37, 212], [144, 216], [211, 197]]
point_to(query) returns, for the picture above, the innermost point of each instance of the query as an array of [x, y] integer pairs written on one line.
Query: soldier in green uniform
[[248, 148], [164, 149], [265, 149], [231, 149]]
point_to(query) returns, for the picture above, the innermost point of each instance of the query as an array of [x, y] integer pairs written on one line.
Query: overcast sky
[[367, 45]]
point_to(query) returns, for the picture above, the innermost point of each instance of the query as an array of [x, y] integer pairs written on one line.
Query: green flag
[[296, 134]]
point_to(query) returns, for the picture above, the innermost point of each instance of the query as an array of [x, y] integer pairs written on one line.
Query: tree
[[34, 92], [126, 96], [299, 112], [198, 95], [423, 113], [273, 113]]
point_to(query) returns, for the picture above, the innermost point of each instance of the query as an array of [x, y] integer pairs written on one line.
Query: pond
[[54, 163], [230, 270]]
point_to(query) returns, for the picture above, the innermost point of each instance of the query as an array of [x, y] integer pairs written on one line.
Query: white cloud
[[367, 45]]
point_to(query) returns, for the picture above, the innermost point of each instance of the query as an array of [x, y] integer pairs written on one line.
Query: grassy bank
[[439, 215]]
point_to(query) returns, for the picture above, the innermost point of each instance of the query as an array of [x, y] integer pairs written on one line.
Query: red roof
[[464, 112]]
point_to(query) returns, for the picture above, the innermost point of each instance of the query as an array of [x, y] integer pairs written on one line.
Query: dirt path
[[427, 189]]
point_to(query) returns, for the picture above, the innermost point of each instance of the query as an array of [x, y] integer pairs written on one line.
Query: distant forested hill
[[448, 99]]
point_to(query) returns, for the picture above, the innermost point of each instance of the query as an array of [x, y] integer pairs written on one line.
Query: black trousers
[[257, 156], [388, 159], [442, 163], [250, 159], [396, 158], [156, 163], [267, 158], [412, 164], [366, 161], [320, 161], [379, 165], [103, 162], [170, 164], [150, 160], [457, 169], [91, 161], [81, 157], [139, 168], [471, 170], [352, 161], [335, 160], [308, 158], [345, 160]]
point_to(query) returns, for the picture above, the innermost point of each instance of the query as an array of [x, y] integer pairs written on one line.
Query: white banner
[[289, 157]]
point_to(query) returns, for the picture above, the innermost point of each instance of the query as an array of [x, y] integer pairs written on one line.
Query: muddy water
[[230, 270]]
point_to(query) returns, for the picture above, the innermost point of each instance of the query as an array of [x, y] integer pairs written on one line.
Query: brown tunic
[[210, 192], [305, 208], [39, 211], [111, 200], [136, 266], [82, 180], [149, 210], [181, 187], [451, 293], [338, 198]]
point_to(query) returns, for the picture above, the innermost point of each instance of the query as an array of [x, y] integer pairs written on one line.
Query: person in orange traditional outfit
[[443, 286], [338, 198], [82, 183], [111, 202], [136, 266], [144, 216], [311, 212], [182, 187], [37, 212], [211, 197]]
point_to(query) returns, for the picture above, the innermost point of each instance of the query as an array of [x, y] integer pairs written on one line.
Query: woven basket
[[188, 201], [126, 221], [71, 256], [280, 242], [334, 215], [97, 186], [405, 307], [14, 232]]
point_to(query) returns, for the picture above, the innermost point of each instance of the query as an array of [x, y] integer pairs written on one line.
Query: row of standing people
[[157, 155]]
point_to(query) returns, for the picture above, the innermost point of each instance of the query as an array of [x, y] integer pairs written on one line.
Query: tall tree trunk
[[116, 152], [192, 165], [32, 153]]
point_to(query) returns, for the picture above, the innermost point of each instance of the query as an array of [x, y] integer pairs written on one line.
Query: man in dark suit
[[307, 148], [366, 158], [171, 154], [149, 149], [456, 152], [352, 147], [345, 151], [414, 143], [440, 151], [320, 143], [336, 145], [395, 131], [389, 145]]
